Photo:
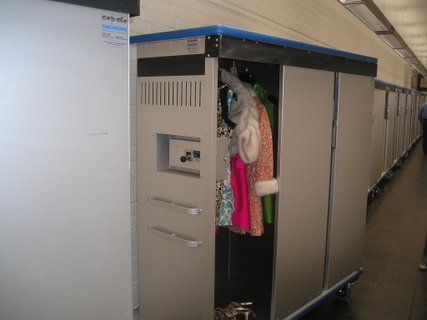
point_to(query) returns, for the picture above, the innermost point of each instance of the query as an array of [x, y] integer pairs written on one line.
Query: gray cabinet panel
[[391, 128], [407, 121], [401, 125], [417, 127], [177, 198], [305, 155], [378, 137], [410, 118], [350, 177]]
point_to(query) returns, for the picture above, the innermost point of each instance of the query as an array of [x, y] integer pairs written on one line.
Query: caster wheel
[[345, 292]]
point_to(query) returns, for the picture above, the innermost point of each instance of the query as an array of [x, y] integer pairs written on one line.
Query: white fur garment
[[246, 135]]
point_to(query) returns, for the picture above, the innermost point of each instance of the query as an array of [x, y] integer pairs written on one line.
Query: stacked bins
[[323, 141], [395, 130]]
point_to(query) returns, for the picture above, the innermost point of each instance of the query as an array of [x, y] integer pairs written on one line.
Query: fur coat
[[244, 112]]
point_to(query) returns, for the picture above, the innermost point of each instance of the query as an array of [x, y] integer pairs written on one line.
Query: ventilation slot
[[171, 93]]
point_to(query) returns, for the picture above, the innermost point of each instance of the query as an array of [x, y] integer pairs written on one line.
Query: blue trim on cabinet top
[[248, 35]]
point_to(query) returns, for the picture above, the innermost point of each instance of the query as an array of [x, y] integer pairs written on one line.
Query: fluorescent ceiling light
[[415, 67], [349, 1], [370, 15], [374, 21], [404, 53], [393, 40], [416, 64], [411, 60]]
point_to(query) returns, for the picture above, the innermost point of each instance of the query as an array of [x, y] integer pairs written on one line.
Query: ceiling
[[409, 18]]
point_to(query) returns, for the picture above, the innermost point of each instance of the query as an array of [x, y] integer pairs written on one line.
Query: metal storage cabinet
[[322, 165], [350, 176], [395, 130], [304, 188], [402, 122], [391, 139], [407, 142], [378, 167]]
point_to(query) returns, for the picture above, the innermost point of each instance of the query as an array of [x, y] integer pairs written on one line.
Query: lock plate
[[184, 154]]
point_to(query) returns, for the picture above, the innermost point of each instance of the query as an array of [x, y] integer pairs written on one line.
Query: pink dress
[[239, 185]]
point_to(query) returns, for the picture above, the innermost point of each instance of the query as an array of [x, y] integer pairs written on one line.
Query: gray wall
[[64, 135]]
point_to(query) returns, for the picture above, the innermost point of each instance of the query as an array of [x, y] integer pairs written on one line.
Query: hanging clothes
[[260, 176], [246, 137], [241, 214], [268, 201], [224, 193], [226, 206], [252, 144], [224, 125], [265, 182], [262, 95]]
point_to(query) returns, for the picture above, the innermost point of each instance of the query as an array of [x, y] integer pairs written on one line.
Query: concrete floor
[[392, 287]]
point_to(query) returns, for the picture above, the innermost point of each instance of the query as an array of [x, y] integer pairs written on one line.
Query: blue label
[[110, 27]]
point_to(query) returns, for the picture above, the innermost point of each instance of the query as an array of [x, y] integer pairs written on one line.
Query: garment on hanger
[[241, 214], [251, 144], [246, 137], [224, 193], [263, 96], [226, 95], [265, 183], [218, 191], [268, 201], [224, 124], [260, 176], [226, 208]]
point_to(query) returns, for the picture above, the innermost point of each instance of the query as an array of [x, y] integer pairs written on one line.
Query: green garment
[[262, 95]]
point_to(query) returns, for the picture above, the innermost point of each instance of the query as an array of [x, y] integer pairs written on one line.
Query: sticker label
[[193, 45], [114, 30]]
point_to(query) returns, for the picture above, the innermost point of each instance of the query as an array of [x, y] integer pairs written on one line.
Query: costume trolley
[[253, 171]]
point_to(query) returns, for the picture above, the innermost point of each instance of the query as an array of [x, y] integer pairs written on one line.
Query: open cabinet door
[[176, 194], [304, 176]]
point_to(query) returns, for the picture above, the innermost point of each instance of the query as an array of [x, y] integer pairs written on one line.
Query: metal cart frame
[[324, 133]]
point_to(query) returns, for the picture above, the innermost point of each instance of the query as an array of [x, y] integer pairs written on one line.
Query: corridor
[[392, 287]]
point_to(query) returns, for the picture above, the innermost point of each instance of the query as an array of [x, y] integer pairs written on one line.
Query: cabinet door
[[378, 136], [304, 175], [408, 125], [176, 195], [350, 177], [391, 129], [401, 124]]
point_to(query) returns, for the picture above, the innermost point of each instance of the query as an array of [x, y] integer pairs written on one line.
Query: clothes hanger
[[223, 96], [247, 76]]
